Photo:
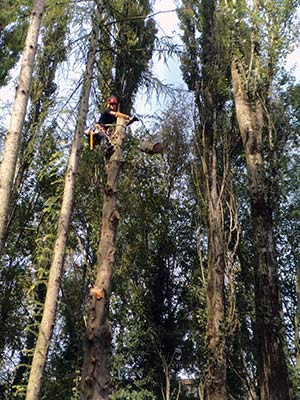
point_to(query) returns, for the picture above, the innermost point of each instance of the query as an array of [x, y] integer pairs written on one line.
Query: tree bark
[[50, 306], [215, 377], [97, 345], [297, 316], [10, 153], [272, 364]]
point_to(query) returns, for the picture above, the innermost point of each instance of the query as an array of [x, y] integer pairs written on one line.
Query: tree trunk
[[49, 312], [215, 377], [272, 365], [41, 99], [297, 316], [95, 374], [10, 153]]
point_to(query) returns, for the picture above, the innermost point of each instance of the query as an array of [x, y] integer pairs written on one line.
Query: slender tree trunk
[[297, 317], [10, 153], [49, 312], [97, 345], [272, 365], [215, 377]]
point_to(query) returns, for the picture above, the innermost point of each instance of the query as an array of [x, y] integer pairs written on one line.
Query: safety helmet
[[113, 100]]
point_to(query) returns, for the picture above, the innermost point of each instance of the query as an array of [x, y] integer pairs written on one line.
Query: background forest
[[204, 299]]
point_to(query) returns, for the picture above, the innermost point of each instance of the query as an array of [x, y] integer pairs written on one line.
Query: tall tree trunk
[[10, 153], [41, 98], [297, 316], [50, 306], [215, 378], [95, 374], [272, 365]]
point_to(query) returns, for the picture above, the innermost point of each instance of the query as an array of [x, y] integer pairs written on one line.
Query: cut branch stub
[[151, 147]]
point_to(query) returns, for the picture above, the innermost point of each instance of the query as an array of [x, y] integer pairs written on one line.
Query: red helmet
[[113, 100]]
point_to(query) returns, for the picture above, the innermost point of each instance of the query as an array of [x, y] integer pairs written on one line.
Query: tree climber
[[102, 131]]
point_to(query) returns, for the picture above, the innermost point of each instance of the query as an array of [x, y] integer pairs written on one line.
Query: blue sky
[[170, 73]]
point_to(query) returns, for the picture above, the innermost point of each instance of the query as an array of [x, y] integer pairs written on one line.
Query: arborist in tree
[[101, 132]]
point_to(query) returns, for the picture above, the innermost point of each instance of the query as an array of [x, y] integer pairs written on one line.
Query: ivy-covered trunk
[[97, 343], [271, 358], [215, 377], [10, 154]]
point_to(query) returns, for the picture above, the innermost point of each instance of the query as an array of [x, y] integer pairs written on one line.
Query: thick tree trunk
[[49, 312], [272, 365], [95, 374], [10, 153]]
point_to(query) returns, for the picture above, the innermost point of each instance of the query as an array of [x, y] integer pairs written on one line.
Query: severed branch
[[151, 147]]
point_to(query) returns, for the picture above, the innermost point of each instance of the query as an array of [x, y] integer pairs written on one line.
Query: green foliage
[[262, 37], [129, 35], [158, 305], [13, 28], [190, 58], [151, 311], [198, 48], [129, 394]]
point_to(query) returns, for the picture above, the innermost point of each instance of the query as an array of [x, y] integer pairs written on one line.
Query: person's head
[[113, 103]]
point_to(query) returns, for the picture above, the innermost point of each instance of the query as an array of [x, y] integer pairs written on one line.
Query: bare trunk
[[10, 153], [95, 374], [272, 365], [166, 392], [49, 312]]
